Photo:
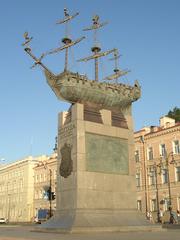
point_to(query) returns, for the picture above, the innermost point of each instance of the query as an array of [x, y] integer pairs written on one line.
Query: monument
[[96, 180]]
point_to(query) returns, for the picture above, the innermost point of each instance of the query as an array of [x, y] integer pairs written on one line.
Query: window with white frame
[[21, 184], [152, 177], [166, 204], [54, 173], [164, 176], [178, 203], [139, 205], [150, 153], [163, 150], [138, 180], [176, 147], [178, 174], [37, 178], [40, 177], [40, 194], [153, 205], [36, 195], [137, 159], [45, 177]]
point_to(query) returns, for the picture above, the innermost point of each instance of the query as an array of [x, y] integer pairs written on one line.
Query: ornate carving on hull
[[66, 165], [75, 88]]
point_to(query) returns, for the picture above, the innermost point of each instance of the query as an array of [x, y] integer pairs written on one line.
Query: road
[[15, 232]]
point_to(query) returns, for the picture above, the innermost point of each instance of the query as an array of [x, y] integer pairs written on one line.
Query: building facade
[[157, 156], [21, 187], [17, 190]]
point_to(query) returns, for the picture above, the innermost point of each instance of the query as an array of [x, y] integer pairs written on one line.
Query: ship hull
[[76, 88]]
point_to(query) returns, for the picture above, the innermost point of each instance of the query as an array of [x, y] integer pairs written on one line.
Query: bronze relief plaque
[[106, 154]]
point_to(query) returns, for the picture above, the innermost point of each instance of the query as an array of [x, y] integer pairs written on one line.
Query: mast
[[28, 50], [66, 40], [96, 48], [117, 72]]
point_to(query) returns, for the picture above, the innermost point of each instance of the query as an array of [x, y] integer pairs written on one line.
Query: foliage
[[175, 114]]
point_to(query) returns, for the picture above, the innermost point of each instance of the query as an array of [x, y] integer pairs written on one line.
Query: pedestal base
[[97, 221]]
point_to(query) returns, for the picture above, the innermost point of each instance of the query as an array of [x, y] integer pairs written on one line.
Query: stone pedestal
[[96, 172]]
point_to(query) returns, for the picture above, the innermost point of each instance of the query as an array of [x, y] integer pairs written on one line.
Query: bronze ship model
[[77, 88]]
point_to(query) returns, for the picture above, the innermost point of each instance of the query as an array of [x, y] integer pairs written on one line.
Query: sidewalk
[[25, 233], [171, 226]]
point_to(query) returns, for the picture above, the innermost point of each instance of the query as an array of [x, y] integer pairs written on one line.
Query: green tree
[[175, 114]]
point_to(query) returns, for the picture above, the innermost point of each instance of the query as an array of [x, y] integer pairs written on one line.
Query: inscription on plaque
[[66, 131], [106, 154]]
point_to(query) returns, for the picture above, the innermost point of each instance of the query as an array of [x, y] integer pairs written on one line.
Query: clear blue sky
[[147, 33]]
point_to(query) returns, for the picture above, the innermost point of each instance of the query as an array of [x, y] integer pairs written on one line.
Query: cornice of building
[[163, 131], [159, 132], [49, 161], [139, 131], [27, 160]]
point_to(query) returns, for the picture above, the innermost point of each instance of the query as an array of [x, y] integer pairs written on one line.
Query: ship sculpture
[[108, 93]]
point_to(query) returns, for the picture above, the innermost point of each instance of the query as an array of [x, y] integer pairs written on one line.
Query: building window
[[139, 205], [41, 177], [36, 194], [153, 205], [54, 173], [152, 178], [178, 203], [45, 177], [164, 176], [150, 153], [163, 150], [166, 204], [178, 174], [37, 178], [138, 180], [176, 147], [40, 194], [137, 158], [21, 184]]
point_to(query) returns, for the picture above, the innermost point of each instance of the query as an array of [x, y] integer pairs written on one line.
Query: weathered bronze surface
[[106, 154], [76, 88], [66, 165]]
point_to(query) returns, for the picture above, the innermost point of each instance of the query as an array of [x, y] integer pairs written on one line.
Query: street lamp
[[166, 157], [50, 192], [48, 189], [161, 167], [145, 180], [155, 166]]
